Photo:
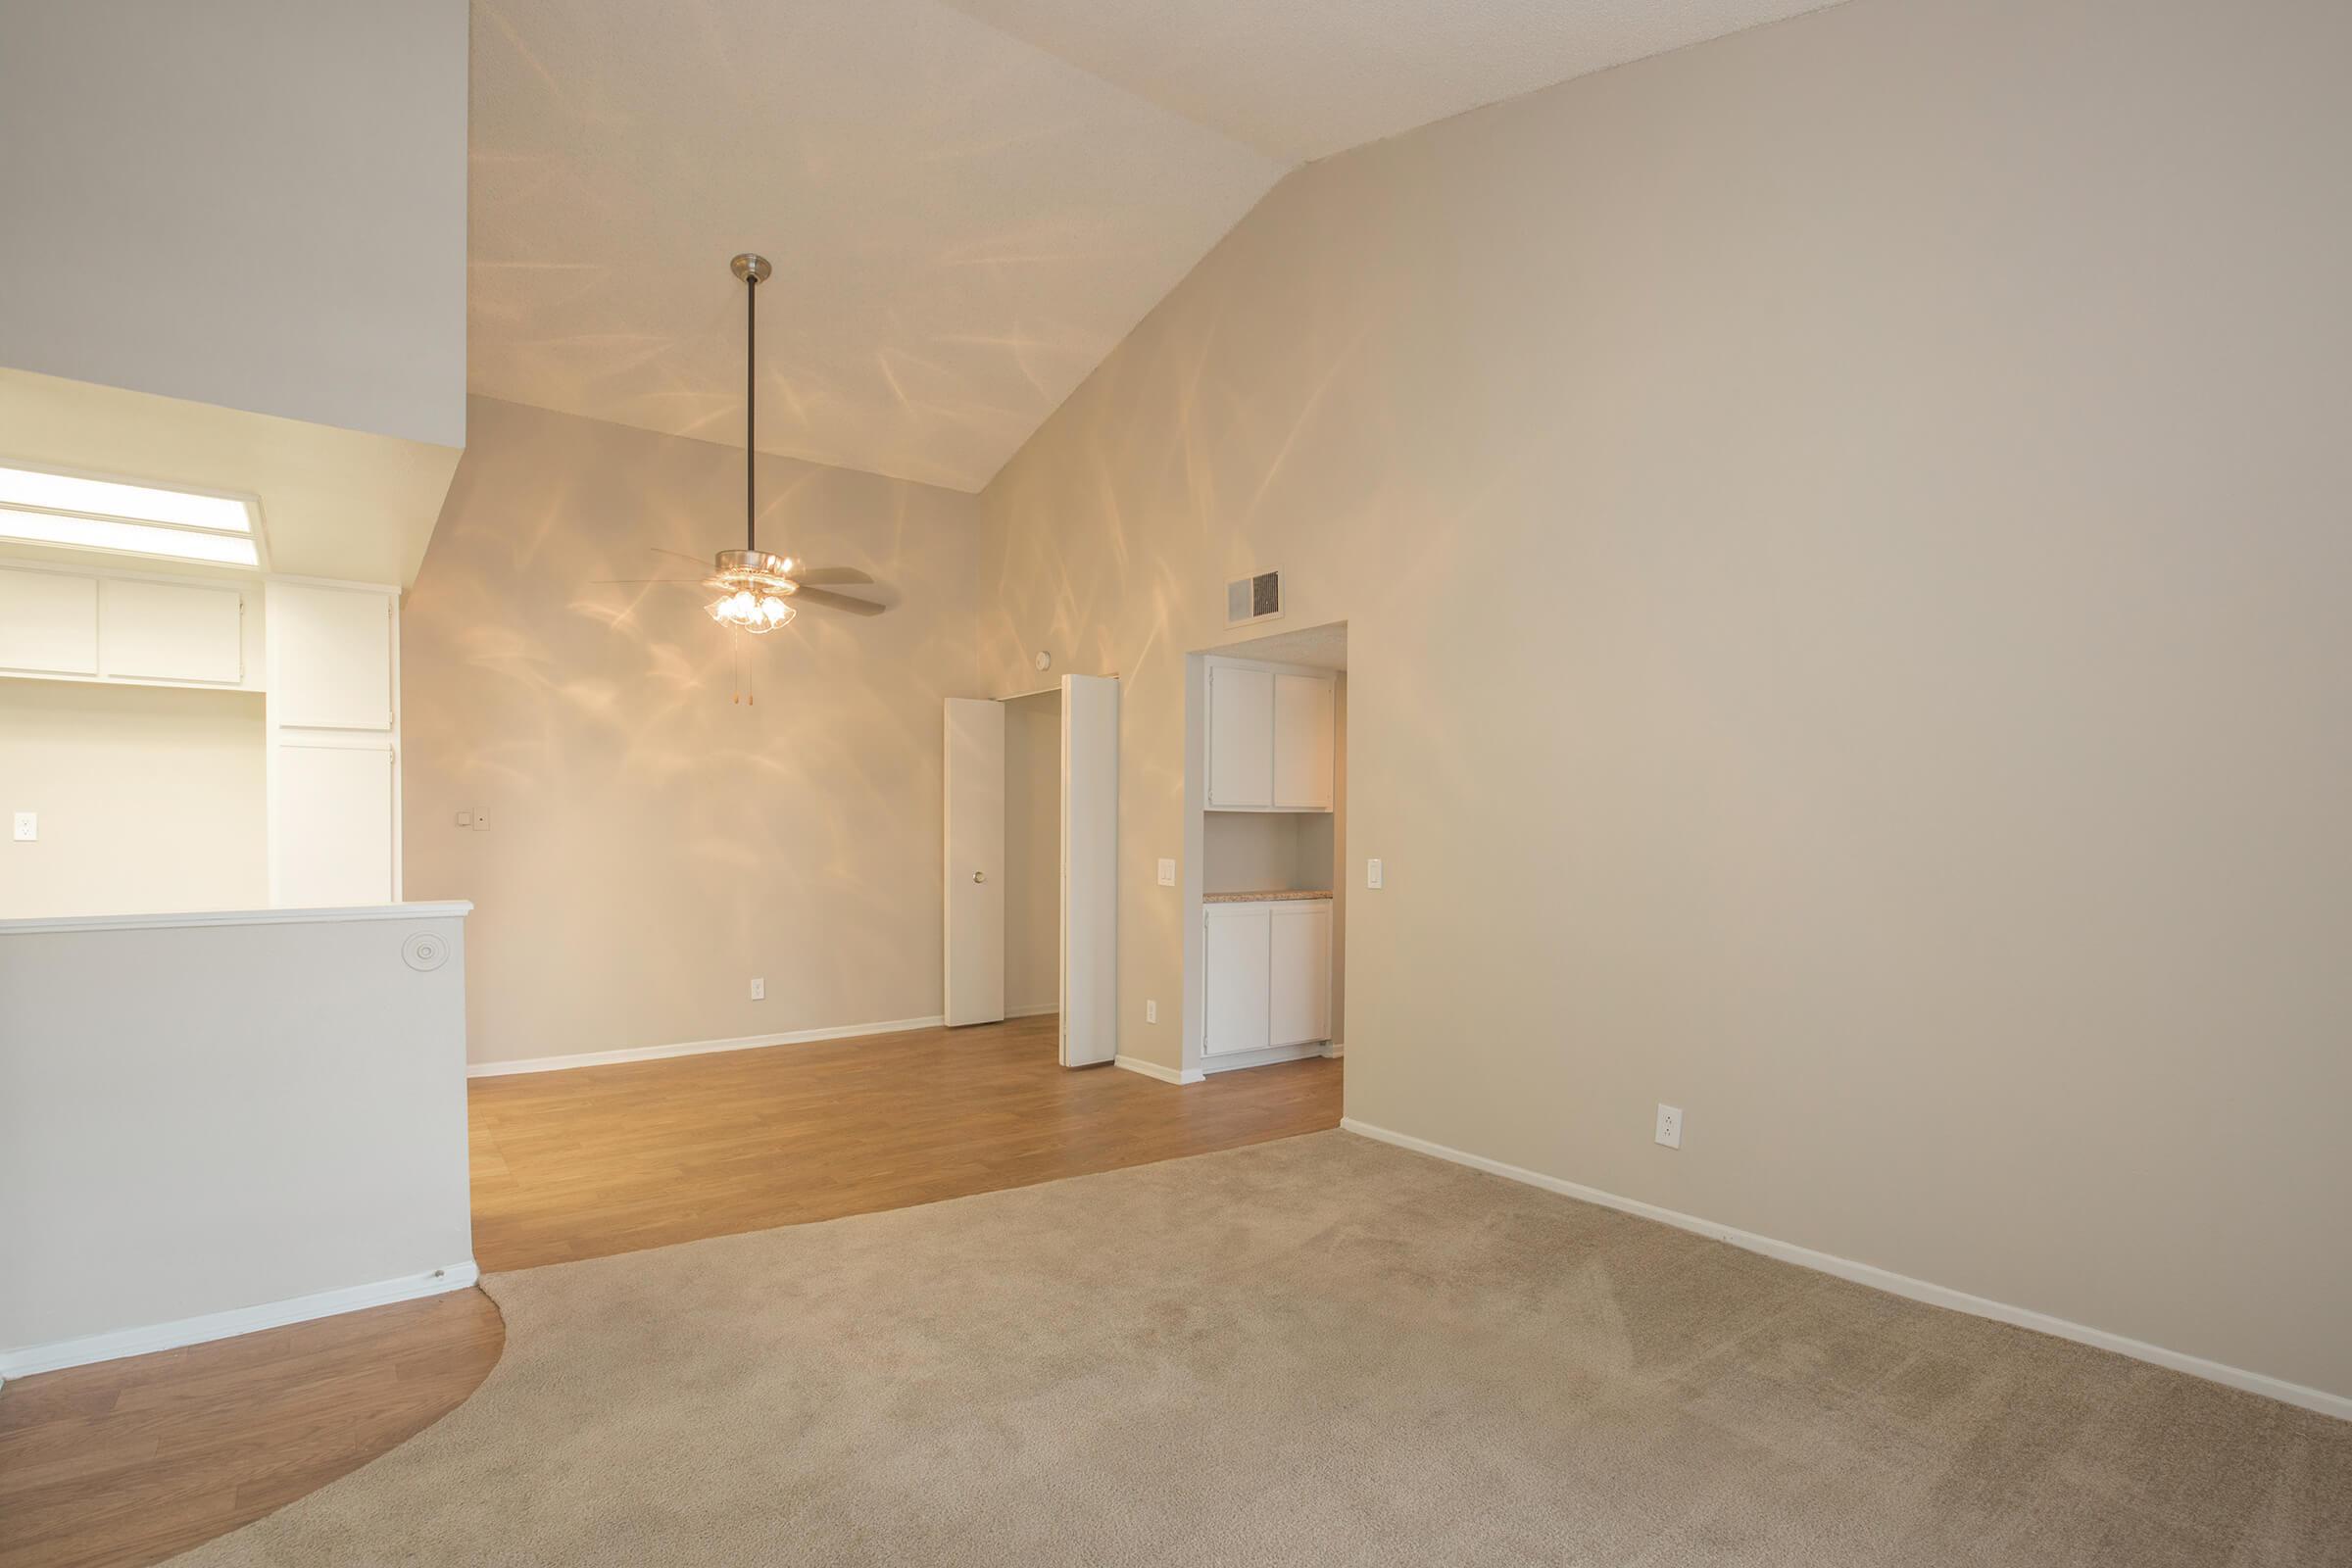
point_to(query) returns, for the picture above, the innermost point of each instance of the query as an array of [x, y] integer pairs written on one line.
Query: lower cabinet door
[[1235, 953], [1299, 964]]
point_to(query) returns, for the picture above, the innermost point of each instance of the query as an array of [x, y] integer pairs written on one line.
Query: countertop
[[1278, 895]]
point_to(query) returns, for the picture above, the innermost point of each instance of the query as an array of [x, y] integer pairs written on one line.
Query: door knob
[[979, 876]]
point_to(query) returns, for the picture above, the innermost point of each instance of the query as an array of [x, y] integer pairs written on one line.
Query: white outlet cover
[[1167, 873], [760, 990], [1372, 873], [1150, 1012], [1670, 1126], [29, 826]]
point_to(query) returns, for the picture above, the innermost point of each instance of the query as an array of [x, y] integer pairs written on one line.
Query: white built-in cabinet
[[1270, 737], [326, 656], [148, 631], [1265, 970], [333, 721]]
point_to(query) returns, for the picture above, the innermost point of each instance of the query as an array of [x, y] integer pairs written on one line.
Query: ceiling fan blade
[[702, 561], [829, 576], [833, 601], [639, 582]]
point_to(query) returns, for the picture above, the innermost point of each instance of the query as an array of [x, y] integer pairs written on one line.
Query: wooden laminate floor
[[127, 1462]]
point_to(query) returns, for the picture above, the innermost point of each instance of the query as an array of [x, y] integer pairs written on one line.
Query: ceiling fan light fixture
[[745, 611]]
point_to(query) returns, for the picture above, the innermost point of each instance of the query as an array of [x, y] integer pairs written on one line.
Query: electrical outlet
[[1372, 873], [1167, 873], [1670, 1126], [29, 826], [1150, 1012], [758, 991]]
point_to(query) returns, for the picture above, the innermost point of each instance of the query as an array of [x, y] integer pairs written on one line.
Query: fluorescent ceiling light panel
[[126, 538], [140, 520]]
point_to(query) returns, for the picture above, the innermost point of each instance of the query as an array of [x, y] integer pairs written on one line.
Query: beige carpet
[[1319, 1350]]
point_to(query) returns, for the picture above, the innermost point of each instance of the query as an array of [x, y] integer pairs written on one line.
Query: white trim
[[1334, 1050], [1037, 1012], [27, 1360], [695, 1048], [1153, 1069], [1893, 1283], [1235, 1061], [457, 908]]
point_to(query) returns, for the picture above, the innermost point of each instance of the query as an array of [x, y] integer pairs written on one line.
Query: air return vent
[[1257, 598]]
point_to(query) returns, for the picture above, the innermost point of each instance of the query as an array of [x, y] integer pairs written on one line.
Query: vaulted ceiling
[[968, 204]]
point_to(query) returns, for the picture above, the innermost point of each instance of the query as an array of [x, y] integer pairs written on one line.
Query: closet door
[[1235, 951], [1241, 737], [1305, 711], [1299, 1007]]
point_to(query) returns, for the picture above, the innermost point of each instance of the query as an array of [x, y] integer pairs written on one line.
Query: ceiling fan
[[757, 592]]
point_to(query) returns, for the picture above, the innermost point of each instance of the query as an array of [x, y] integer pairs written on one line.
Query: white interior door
[[975, 895], [1090, 869]]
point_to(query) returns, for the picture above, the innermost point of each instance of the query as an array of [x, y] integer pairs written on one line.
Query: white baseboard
[[1038, 1012], [1153, 1069], [27, 1360], [1334, 1050], [2334, 1405], [1260, 1058], [696, 1048]]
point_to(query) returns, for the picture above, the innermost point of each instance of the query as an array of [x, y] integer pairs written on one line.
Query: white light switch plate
[[1670, 1126], [1371, 873], [465, 819], [29, 826], [1167, 873]]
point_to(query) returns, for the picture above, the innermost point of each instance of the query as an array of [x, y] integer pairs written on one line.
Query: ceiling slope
[[962, 224], [968, 203], [1306, 78]]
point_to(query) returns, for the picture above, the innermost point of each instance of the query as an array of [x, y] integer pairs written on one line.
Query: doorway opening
[[1031, 902]]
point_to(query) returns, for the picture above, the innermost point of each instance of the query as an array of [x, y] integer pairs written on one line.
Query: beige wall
[[654, 846], [151, 800], [1843, 537], [1033, 853]]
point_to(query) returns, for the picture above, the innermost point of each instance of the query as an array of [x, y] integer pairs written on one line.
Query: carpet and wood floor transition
[[1320, 1350]]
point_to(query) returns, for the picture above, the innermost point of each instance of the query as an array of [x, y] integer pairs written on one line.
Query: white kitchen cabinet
[[172, 631], [1235, 957], [48, 624], [1298, 967], [1305, 708], [330, 657], [334, 745], [1265, 969], [333, 831], [1241, 737], [1271, 737]]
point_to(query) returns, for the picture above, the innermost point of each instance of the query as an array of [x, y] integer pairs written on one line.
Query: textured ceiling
[[968, 203]]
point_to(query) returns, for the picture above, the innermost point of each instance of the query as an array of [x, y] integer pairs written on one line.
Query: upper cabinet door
[[330, 657], [1304, 711], [1241, 737], [173, 631], [48, 624]]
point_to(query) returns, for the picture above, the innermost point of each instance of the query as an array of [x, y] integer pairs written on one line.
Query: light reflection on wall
[[654, 846]]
